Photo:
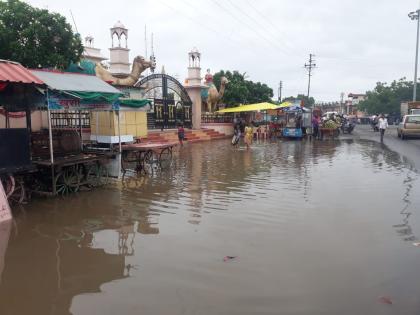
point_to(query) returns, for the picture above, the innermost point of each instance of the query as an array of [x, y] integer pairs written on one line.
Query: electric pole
[[342, 103], [280, 88], [415, 16], [309, 66]]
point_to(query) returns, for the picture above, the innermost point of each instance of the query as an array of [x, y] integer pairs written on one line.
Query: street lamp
[[415, 16]]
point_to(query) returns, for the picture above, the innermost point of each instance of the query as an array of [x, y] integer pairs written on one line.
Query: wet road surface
[[316, 228], [409, 147]]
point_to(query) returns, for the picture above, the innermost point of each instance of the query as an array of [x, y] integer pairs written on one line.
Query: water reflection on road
[[317, 228]]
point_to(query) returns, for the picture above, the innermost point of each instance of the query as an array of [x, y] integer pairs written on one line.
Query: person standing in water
[[249, 134], [383, 124], [181, 134]]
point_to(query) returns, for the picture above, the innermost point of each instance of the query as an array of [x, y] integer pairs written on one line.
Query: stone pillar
[[193, 86]]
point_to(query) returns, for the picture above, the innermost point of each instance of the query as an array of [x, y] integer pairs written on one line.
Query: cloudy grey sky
[[356, 42]]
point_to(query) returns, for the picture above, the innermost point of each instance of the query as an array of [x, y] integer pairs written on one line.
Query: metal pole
[[54, 188], [50, 131], [81, 129], [309, 84], [417, 56], [6, 115], [119, 144]]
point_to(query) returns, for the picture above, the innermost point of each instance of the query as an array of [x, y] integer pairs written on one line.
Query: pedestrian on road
[[383, 124], [181, 135], [315, 126]]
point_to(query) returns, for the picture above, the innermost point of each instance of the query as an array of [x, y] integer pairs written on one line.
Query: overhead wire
[[232, 41], [194, 20], [262, 36], [259, 24], [198, 9], [275, 26]]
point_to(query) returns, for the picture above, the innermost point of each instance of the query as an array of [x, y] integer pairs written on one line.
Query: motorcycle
[[347, 127], [374, 125]]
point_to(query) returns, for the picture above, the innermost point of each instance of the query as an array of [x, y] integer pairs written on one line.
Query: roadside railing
[[208, 118]]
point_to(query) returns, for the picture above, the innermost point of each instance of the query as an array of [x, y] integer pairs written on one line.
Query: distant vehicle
[[409, 127], [410, 108], [327, 115]]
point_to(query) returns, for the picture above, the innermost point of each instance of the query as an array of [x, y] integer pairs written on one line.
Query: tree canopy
[[307, 102], [386, 98], [36, 37], [242, 91]]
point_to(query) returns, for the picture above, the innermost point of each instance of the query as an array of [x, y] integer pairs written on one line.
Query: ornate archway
[[171, 102]]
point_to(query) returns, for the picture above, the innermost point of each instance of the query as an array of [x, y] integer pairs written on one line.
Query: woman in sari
[[249, 135]]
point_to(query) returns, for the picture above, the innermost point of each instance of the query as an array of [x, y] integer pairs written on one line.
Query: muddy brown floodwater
[[315, 228]]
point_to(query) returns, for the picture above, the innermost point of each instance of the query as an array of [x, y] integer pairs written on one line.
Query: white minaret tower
[[90, 52], [119, 59], [193, 86]]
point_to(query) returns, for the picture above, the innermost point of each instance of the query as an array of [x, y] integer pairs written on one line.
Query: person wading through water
[[249, 134], [383, 124], [181, 135]]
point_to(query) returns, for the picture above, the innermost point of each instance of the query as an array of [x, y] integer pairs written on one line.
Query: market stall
[[256, 113], [19, 95], [297, 121], [63, 164]]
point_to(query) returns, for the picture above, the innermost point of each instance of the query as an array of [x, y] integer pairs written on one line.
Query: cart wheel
[[149, 160], [68, 180], [165, 158], [8, 182], [103, 175], [97, 175], [92, 175], [18, 195]]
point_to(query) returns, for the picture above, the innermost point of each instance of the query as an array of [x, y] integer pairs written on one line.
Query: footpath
[[409, 148]]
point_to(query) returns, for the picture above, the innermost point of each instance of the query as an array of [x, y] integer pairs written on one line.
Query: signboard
[[57, 102], [5, 213]]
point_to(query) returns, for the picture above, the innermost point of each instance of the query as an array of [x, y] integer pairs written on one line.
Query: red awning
[[14, 72]]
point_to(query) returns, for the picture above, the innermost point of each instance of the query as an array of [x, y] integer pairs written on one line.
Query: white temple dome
[[118, 25]]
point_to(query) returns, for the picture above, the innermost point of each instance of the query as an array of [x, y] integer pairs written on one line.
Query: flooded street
[[315, 228]]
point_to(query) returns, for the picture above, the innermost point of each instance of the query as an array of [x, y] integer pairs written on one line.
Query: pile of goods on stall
[[330, 124]]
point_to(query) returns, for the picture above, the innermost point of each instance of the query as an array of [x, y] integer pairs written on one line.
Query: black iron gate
[[171, 103]]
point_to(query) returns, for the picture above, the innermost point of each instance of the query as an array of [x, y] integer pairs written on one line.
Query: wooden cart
[[145, 157], [329, 132], [71, 168]]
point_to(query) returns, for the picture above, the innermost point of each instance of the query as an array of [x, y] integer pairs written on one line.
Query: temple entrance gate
[[171, 102]]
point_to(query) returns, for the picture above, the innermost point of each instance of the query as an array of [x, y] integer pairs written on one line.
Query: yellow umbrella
[[249, 108]]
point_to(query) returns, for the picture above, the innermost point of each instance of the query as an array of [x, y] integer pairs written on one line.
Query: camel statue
[[214, 96], [139, 65]]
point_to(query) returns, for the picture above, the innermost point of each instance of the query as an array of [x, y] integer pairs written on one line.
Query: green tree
[[242, 91], [306, 102], [386, 98], [36, 37]]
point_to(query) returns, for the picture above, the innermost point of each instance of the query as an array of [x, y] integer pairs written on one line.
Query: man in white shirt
[[383, 124]]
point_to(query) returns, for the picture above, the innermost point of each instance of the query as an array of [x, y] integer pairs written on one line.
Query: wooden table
[[147, 155]]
